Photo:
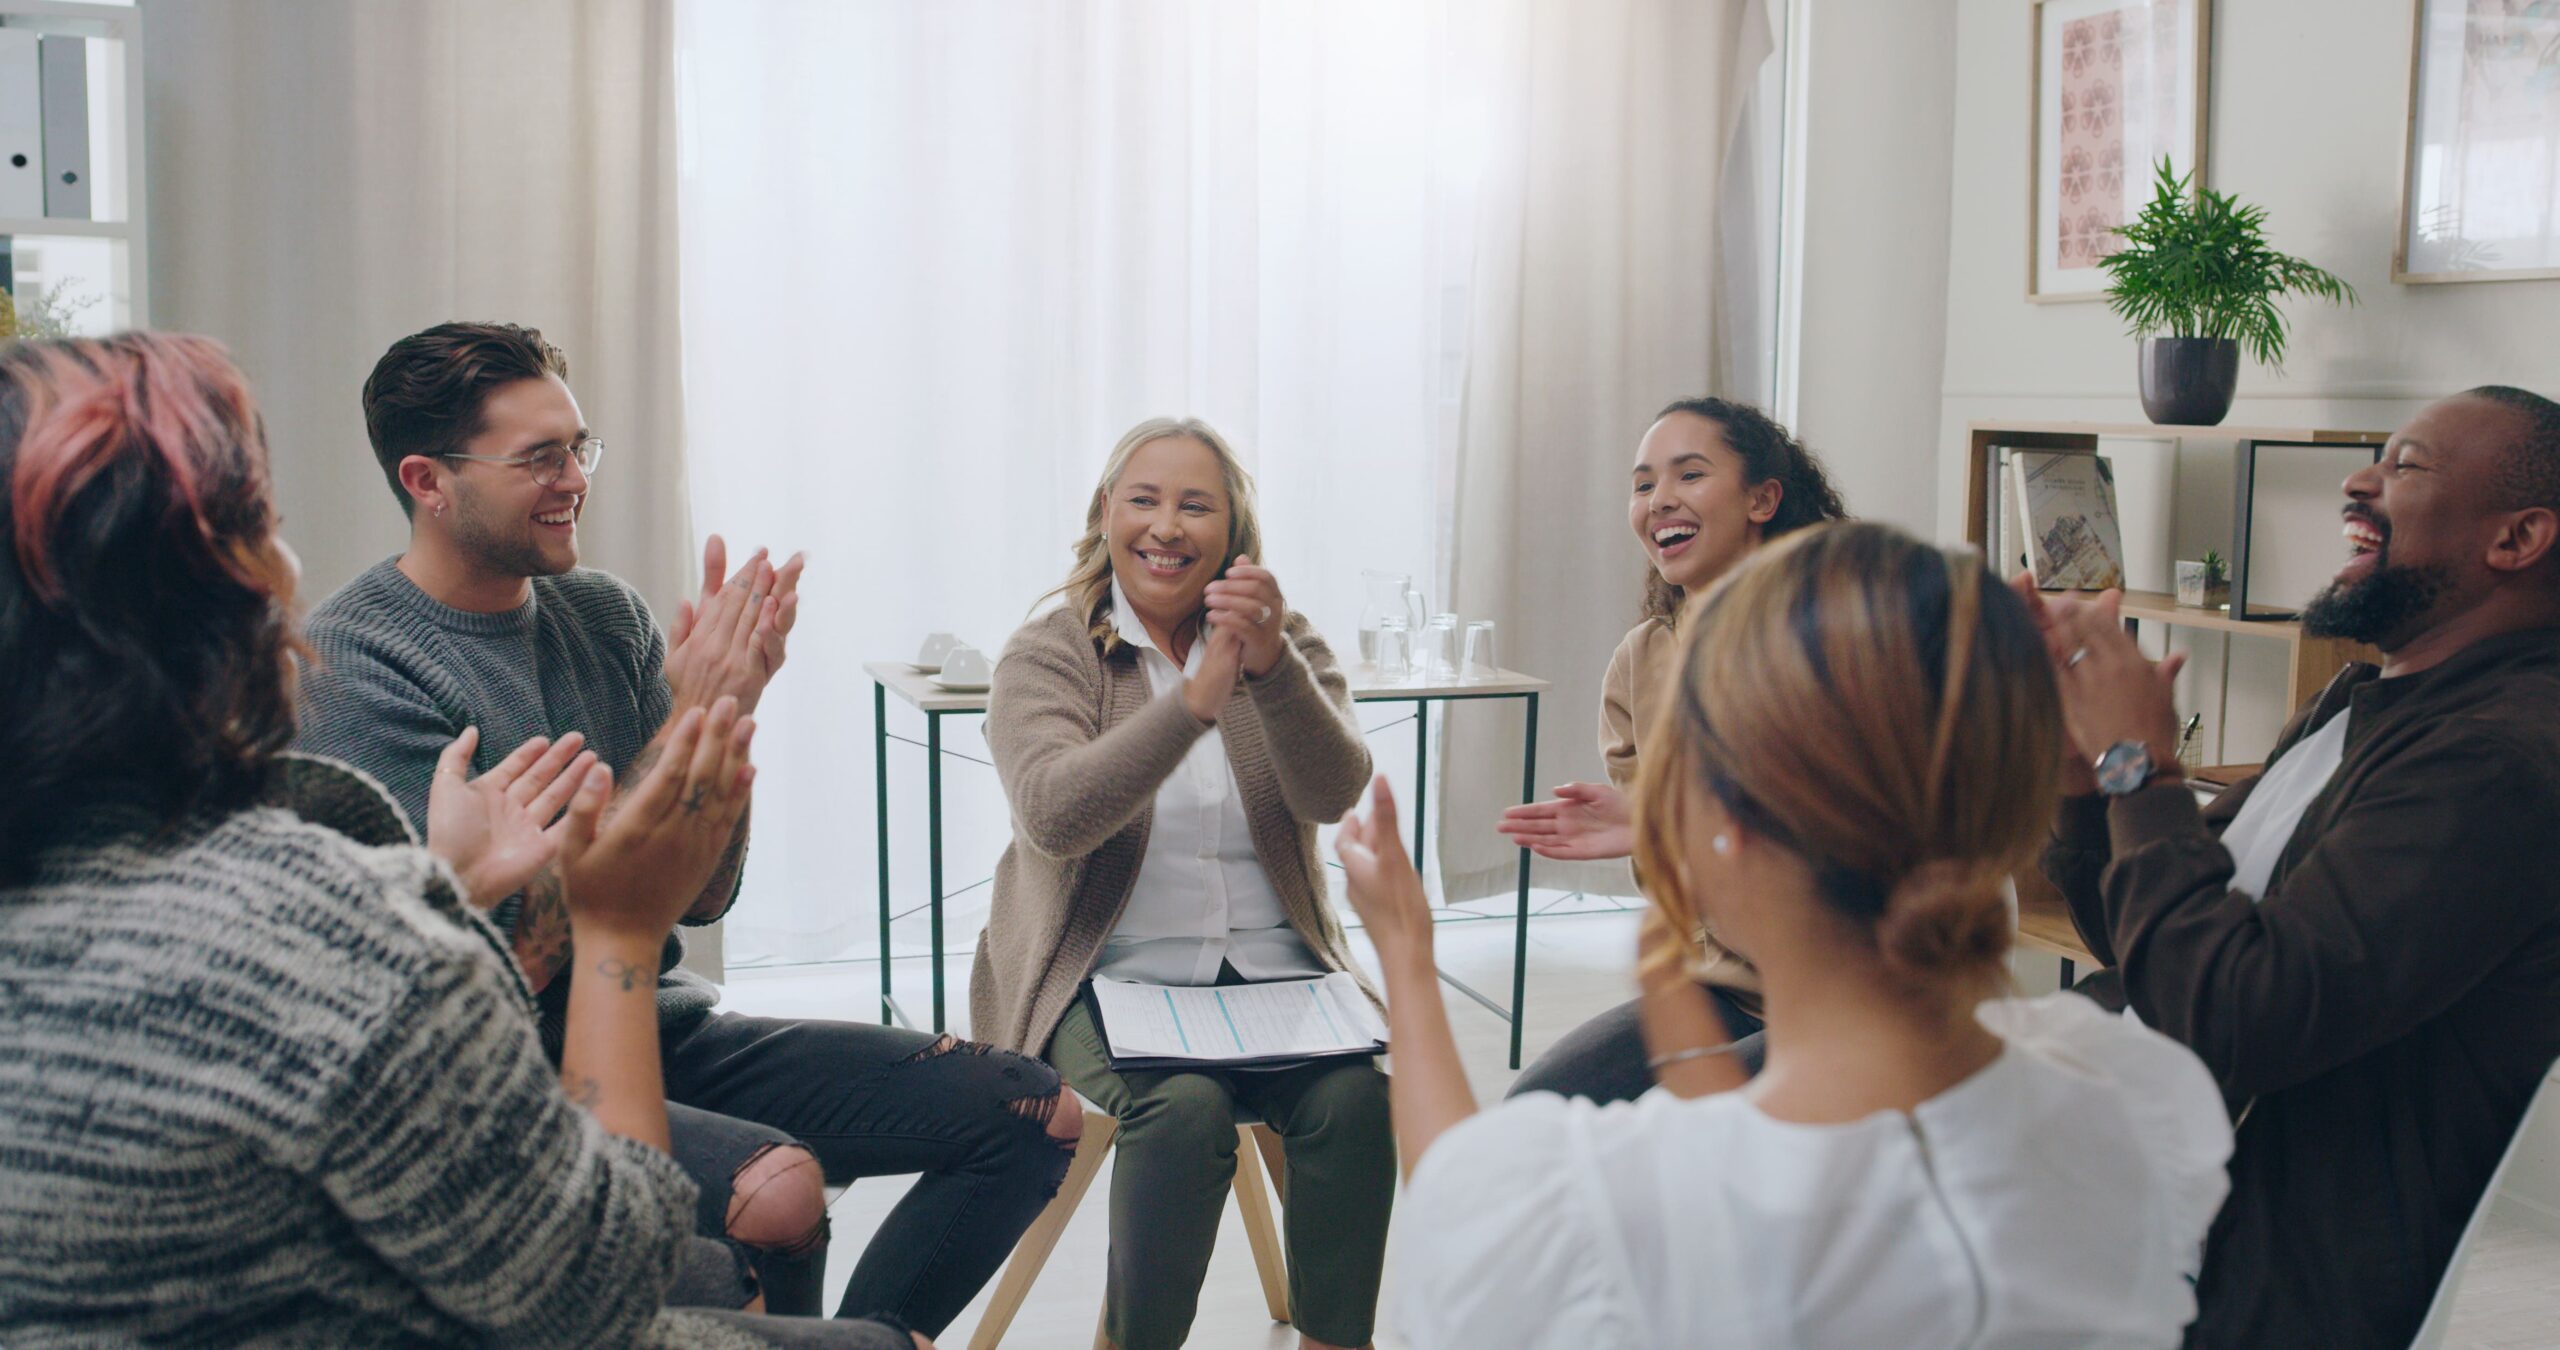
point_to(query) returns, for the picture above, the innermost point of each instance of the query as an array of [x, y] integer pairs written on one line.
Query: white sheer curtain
[[936, 257], [1603, 285], [326, 179]]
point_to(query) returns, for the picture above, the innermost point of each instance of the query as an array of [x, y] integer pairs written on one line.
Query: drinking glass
[[1480, 662], [1395, 651], [1439, 655], [1390, 595]]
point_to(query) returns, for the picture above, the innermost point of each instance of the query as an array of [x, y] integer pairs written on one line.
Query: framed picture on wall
[[2117, 84], [2480, 172]]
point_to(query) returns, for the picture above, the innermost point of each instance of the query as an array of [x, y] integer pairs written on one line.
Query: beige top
[[1081, 745], [1643, 673]]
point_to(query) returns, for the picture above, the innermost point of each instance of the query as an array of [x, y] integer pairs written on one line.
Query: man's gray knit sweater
[[401, 675]]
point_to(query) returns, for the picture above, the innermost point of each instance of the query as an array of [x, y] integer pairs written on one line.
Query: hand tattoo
[[623, 972], [693, 800]]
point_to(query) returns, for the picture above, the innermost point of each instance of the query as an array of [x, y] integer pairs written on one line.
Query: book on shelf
[[2063, 505]]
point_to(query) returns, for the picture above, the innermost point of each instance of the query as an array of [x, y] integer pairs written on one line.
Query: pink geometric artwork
[[2119, 108]]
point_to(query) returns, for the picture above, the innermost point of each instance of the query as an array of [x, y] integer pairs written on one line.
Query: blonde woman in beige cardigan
[[1169, 739]]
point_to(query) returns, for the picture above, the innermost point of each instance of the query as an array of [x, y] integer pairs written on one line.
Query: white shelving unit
[[105, 258]]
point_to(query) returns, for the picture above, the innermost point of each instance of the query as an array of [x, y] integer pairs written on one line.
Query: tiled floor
[[1578, 965]]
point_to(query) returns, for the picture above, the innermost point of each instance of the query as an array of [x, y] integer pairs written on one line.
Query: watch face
[[2125, 767]]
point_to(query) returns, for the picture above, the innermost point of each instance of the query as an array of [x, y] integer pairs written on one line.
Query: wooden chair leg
[[1275, 1161], [1032, 1252], [1269, 1258]]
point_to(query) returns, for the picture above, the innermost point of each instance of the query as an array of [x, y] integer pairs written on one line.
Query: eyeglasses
[[549, 463]]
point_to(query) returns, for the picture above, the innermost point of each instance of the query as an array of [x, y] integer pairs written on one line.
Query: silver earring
[[1722, 844]]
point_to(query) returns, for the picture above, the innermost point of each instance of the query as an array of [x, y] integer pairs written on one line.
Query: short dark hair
[[426, 394], [1767, 451], [2529, 467], [147, 644]]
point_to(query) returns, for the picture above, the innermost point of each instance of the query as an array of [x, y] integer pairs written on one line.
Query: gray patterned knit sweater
[[401, 675], [261, 1084]]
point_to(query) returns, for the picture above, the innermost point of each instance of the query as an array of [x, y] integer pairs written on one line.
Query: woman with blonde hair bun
[[1864, 742]]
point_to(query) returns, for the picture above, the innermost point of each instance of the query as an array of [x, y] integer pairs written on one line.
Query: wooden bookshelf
[[2314, 660]]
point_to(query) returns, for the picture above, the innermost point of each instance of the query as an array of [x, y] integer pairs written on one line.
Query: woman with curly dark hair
[[265, 1072], [1713, 481]]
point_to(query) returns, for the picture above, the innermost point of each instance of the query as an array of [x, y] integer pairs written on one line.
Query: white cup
[[936, 649], [965, 664]]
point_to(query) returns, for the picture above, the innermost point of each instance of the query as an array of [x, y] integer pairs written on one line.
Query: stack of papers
[[1238, 1025]]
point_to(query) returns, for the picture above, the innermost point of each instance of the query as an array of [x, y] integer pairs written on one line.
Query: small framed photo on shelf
[[2116, 86], [2480, 171]]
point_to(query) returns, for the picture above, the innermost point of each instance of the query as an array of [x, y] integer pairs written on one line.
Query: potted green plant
[[2196, 281], [2204, 584]]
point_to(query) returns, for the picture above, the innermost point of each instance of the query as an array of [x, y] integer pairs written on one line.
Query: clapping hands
[[498, 830], [636, 871], [1243, 625], [730, 642], [2111, 692]]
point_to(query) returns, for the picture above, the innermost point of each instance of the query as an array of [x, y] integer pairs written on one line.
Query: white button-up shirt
[[1201, 897]]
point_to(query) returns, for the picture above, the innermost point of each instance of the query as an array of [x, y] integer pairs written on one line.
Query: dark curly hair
[[427, 393], [1768, 453], [147, 643]]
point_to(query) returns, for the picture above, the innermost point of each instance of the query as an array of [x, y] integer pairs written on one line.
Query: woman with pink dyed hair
[[265, 1074]]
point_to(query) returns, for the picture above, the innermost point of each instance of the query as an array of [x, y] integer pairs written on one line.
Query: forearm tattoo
[[625, 975], [585, 1091], [542, 930]]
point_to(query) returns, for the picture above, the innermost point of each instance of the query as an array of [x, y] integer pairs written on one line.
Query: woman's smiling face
[[1168, 521], [1691, 509]]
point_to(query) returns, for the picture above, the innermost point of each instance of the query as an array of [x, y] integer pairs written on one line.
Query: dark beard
[[2380, 607], [493, 549]]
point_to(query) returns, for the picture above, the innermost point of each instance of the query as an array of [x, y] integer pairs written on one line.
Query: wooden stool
[[1257, 1151]]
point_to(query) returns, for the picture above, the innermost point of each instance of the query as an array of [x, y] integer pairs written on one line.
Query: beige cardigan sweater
[[1635, 694], [1081, 748]]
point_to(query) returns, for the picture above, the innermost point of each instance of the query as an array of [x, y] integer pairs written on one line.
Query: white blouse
[[1201, 896], [2059, 1197]]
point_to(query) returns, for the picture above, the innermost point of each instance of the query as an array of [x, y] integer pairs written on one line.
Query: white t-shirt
[[1201, 896], [2257, 836], [2057, 1198]]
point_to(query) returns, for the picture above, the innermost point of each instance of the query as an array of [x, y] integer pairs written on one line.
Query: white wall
[[1879, 106], [2309, 104]]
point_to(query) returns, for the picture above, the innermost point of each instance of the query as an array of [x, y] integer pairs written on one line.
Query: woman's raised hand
[[1386, 892], [637, 868], [498, 830], [1582, 821], [1246, 602], [1206, 691]]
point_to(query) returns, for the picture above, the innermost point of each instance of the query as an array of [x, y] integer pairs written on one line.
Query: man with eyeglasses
[[487, 621]]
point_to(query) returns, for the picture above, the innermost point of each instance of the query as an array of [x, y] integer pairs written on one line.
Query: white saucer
[[921, 668], [978, 687]]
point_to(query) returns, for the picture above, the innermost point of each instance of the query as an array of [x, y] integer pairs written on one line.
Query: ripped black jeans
[[866, 1101]]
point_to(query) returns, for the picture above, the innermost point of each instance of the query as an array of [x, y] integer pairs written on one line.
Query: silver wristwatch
[[2124, 768]]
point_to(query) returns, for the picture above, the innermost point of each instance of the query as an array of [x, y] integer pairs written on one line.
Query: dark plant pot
[[2188, 382]]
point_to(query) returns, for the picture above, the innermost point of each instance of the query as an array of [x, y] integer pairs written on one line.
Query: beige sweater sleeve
[[1305, 706], [1618, 739], [1071, 784]]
